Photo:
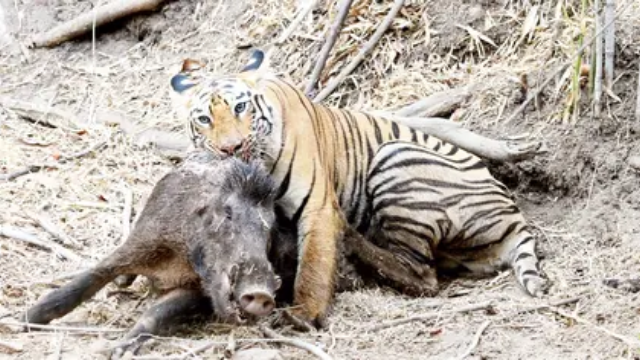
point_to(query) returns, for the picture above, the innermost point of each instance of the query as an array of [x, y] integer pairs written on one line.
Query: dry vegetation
[[582, 197]]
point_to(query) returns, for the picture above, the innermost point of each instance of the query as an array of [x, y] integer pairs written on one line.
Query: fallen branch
[[63, 159], [42, 114], [10, 347], [479, 145], [21, 235], [343, 11], [437, 104], [46, 224], [91, 20], [165, 141], [476, 340], [561, 68], [428, 316], [312, 349], [297, 21], [634, 343], [368, 47]]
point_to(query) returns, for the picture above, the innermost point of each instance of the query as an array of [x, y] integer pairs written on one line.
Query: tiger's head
[[228, 114]]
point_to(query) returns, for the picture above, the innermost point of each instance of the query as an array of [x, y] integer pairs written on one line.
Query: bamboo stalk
[[597, 74], [609, 42]]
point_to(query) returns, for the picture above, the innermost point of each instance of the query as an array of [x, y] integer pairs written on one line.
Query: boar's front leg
[[173, 309]]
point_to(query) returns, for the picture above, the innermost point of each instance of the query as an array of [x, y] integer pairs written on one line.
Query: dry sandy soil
[[582, 197]]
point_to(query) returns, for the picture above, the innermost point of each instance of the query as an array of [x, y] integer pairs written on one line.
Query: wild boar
[[202, 238]]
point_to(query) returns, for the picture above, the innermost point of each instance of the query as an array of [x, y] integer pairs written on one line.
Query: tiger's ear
[[255, 61], [258, 66], [186, 78]]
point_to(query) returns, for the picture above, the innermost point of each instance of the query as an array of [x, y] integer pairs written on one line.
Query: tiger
[[318, 155], [431, 211]]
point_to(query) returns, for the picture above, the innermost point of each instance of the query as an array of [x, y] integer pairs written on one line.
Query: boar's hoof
[[288, 318]]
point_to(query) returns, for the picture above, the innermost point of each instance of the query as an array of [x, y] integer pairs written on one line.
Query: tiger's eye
[[204, 120], [240, 107]]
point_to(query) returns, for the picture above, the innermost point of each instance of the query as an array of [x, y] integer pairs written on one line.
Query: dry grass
[[432, 47]]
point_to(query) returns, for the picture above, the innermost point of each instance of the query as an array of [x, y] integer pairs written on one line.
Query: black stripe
[[483, 229], [303, 204], [405, 187], [395, 129], [523, 256], [529, 273], [475, 166], [453, 151], [402, 220], [284, 186], [482, 203], [525, 241], [376, 129], [359, 168], [414, 135]]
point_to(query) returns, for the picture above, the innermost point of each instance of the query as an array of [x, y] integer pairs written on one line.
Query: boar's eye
[[228, 212]]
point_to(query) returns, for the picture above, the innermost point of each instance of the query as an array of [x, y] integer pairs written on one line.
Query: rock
[[257, 354], [634, 162]]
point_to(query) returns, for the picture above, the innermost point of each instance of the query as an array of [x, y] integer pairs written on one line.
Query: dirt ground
[[582, 197]]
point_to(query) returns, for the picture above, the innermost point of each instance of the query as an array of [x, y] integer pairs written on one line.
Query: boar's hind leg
[[66, 298], [411, 277], [124, 281], [174, 308]]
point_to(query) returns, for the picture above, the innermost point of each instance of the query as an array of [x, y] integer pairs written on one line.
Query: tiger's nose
[[231, 149]]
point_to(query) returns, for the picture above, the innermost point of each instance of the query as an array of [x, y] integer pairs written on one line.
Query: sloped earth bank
[[582, 197]]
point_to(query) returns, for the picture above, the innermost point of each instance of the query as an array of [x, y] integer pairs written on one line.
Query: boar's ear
[[196, 258]]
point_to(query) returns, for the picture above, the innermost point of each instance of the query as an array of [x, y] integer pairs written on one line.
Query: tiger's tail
[[525, 264]]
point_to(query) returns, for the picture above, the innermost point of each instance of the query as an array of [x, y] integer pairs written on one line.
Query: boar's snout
[[256, 286], [258, 303]]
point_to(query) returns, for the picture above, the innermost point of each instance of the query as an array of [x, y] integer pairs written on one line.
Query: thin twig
[[428, 316], [10, 347], [230, 349], [297, 21], [35, 168], [638, 95], [89, 21], [551, 304], [368, 47], [62, 277], [48, 225], [609, 42], [476, 340], [561, 68], [81, 330], [312, 349], [627, 340], [343, 11], [22, 235]]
